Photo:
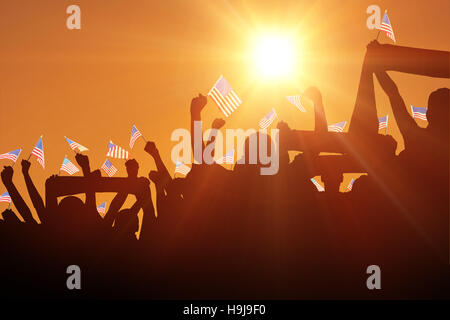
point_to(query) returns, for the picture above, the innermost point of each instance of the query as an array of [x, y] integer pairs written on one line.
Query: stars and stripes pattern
[[223, 95], [5, 197], [383, 122], [419, 113], [38, 152], [318, 186], [267, 119], [295, 100], [350, 185], [182, 168], [228, 158], [68, 167], [337, 127], [114, 151], [109, 169], [102, 208], [75, 145], [135, 134], [387, 27], [12, 155]]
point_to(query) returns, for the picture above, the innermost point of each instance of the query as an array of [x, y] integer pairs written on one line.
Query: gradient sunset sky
[[141, 62]]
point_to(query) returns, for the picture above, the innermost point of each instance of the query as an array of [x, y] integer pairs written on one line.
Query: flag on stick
[[109, 168], [38, 152], [382, 122], [5, 197], [267, 119], [102, 208], [68, 167], [114, 151], [387, 27], [318, 186], [419, 113], [350, 185], [295, 100], [75, 145], [12, 155], [135, 134], [337, 127], [223, 95], [182, 168]]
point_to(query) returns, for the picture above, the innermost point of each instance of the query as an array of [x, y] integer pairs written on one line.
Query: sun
[[273, 56]]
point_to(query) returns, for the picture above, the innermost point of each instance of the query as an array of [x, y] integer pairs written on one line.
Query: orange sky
[[142, 61]]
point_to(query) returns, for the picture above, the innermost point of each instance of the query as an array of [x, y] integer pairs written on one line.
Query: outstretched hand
[[25, 166], [151, 149], [7, 174], [198, 103], [218, 123]]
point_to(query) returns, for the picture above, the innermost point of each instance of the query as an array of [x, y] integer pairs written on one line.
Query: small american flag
[[386, 26], [318, 186], [109, 168], [182, 168], [12, 155], [38, 151], [419, 113], [114, 151], [223, 95], [135, 134], [5, 197], [75, 145], [295, 100], [382, 122], [101, 208], [228, 158], [68, 167], [350, 185], [267, 119], [337, 127]]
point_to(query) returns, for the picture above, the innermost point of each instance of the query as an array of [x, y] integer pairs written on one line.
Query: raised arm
[[36, 198], [405, 122], [114, 208], [320, 120], [165, 177], [364, 119], [197, 105], [17, 199]]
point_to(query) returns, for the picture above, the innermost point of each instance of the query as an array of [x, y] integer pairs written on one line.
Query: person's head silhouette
[[132, 168]]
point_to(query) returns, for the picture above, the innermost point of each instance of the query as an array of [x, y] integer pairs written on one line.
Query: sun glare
[[274, 56]]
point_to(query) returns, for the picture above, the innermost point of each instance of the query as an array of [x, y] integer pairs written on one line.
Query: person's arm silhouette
[[36, 198], [114, 208], [197, 105], [165, 177], [364, 119], [405, 122], [24, 211]]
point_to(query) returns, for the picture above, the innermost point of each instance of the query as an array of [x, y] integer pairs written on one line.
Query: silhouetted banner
[[64, 186], [425, 62]]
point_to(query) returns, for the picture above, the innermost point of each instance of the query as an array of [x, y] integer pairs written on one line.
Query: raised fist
[[198, 103], [151, 149], [7, 174], [25, 166]]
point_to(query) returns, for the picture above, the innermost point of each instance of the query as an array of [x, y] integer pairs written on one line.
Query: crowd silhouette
[[221, 233]]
